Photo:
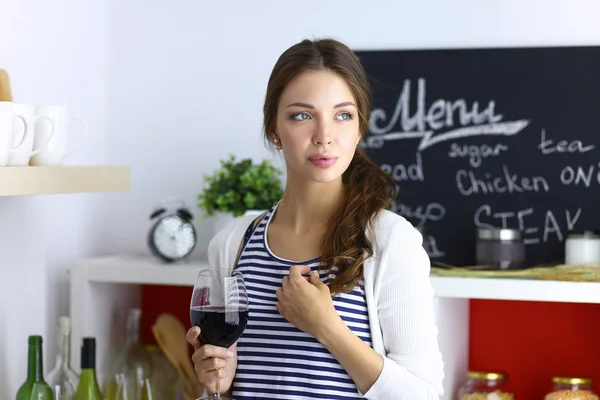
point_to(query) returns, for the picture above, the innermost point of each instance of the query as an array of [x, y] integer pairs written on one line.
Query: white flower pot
[[254, 212], [221, 219]]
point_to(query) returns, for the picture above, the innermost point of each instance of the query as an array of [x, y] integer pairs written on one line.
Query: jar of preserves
[[571, 388], [486, 386]]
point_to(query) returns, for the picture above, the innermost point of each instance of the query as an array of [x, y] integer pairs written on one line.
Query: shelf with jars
[[146, 270], [104, 286]]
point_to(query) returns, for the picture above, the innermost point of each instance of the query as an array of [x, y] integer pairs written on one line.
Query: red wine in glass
[[219, 306], [219, 326]]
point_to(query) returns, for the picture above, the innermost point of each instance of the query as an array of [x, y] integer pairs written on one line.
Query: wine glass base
[[214, 397]]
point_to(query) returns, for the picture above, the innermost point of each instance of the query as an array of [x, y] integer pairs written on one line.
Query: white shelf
[[140, 270], [516, 289], [34, 180], [147, 270]]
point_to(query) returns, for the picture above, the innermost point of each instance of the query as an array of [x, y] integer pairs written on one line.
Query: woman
[[340, 301]]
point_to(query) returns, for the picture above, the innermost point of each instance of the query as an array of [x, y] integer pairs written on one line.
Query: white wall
[[188, 77], [55, 53]]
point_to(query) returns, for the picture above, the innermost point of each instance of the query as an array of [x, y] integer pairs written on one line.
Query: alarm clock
[[172, 236]]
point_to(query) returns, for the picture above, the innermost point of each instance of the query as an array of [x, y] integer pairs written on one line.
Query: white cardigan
[[399, 300]]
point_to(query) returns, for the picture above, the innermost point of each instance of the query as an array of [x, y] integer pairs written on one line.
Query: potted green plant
[[240, 186]]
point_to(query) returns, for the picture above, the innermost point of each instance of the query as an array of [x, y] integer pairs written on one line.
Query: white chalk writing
[[430, 244], [469, 183], [485, 217], [547, 146], [403, 172], [439, 116], [420, 214], [578, 175], [475, 153]]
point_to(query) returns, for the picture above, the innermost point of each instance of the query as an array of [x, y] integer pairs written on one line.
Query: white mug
[[22, 154], [53, 150], [8, 131]]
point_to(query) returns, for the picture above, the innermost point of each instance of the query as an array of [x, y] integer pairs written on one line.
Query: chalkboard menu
[[504, 137]]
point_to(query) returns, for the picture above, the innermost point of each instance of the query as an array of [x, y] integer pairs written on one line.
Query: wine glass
[[146, 390], [121, 388], [219, 306]]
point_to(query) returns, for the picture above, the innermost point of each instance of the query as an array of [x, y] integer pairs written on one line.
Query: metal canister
[[500, 248]]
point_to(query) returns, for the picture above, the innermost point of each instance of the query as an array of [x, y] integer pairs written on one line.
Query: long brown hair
[[369, 188]]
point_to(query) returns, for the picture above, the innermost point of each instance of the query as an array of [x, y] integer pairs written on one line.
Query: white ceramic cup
[[21, 155], [8, 131], [53, 150]]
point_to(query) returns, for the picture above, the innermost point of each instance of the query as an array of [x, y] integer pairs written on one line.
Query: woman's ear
[[274, 138]]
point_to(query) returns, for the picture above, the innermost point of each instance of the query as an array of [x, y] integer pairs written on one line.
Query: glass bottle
[[62, 375], [87, 388], [35, 373], [132, 362]]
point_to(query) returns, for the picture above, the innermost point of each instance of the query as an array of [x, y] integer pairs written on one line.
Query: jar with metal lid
[[571, 388], [499, 248], [583, 248], [486, 386]]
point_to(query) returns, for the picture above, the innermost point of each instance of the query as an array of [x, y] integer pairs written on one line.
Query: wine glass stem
[[218, 389]]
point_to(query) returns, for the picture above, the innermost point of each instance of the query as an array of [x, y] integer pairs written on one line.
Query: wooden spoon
[[170, 333], [5, 93]]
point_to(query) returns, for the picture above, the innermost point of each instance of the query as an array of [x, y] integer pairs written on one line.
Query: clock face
[[174, 238]]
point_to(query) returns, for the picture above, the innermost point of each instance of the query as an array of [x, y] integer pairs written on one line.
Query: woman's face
[[317, 125]]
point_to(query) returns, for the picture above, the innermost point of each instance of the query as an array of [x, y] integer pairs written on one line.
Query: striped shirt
[[276, 360]]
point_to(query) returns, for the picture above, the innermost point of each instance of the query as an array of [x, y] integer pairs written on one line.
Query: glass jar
[[500, 249], [571, 388], [486, 386]]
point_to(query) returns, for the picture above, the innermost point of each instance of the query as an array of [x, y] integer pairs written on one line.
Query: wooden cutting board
[[5, 93]]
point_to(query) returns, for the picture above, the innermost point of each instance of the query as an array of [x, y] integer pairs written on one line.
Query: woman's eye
[[345, 116], [301, 116]]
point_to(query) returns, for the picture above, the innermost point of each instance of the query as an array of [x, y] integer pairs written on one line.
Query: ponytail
[[346, 245]]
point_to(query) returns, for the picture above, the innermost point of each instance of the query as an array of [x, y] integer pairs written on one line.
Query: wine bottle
[[87, 388], [62, 375], [35, 373]]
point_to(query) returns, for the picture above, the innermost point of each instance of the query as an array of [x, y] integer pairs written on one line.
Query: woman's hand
[[212, 363], [306, 302]]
